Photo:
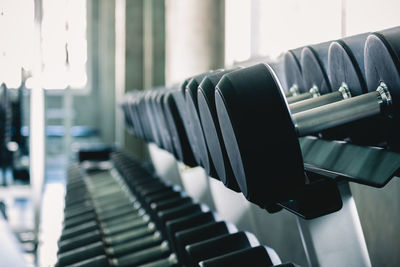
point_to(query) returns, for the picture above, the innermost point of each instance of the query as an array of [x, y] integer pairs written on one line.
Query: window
[[17, 36], [64, 44]]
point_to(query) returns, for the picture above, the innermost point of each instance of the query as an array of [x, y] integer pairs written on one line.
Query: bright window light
[[64, 44], [16, 31], [237, 31]]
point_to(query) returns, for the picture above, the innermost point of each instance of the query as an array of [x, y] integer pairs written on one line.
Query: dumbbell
[[211, 129], [218, 246], [175, 121], [162, 132], [277, 135], [258, 256], [188, 222], [180, 100], [162, 121], [141, 126], [200, 233], [194, 124], [293, 75]]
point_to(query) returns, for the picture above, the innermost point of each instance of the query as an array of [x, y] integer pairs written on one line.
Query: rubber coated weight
[[259, 134], [180, 100], [219, 245], [382, 64], [292, 70], [200, 233], [179, 136], [346, 64], [314, 65], [212, 131], [164, 122], [195, 125], [258, 256]]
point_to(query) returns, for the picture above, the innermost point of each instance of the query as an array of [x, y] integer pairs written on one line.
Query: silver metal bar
[[315, 102], [299, 97], [338, 113]]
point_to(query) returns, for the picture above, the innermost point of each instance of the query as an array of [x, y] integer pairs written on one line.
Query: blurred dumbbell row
[[125, 216]]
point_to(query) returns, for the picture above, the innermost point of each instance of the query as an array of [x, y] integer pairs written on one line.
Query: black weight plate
[[180, 140], [134, 109], [346, 64], [159, 121], [127, 115], [382, 64], [212, 131], [219, 245], [156, 119], [292, 70], [314, 66], [279, 69], [180, 101], [195, 125], [143, 116], [149, 118], [258, 256], [163, 122], [259, 134]]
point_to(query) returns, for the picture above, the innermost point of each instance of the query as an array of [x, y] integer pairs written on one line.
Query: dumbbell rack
[[117, 214]]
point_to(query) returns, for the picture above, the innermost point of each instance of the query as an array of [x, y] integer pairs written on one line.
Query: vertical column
[[194, 37], [154, 43], [106, 69], [133, 62], [37, 122]]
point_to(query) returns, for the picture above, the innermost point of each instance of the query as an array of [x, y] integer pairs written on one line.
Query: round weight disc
[[162, 120], [259, 134], [293, 75], [279, 70], [179, 97], [314, 66], [131, 110], [178, 133], [141, 117], [127, 115], [346, 64], [212, 131], [195, 125], [155, 118], [152, 118], [144, 118], [382, 64]]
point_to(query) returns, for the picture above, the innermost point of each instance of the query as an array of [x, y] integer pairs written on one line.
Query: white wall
[[272, 27]]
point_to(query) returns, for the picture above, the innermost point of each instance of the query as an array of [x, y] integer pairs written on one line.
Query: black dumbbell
[[200, 233], [258, 256], [292, 71], [211, 129], [219, 245], [180, 100], [194, 124], [180, 139]]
